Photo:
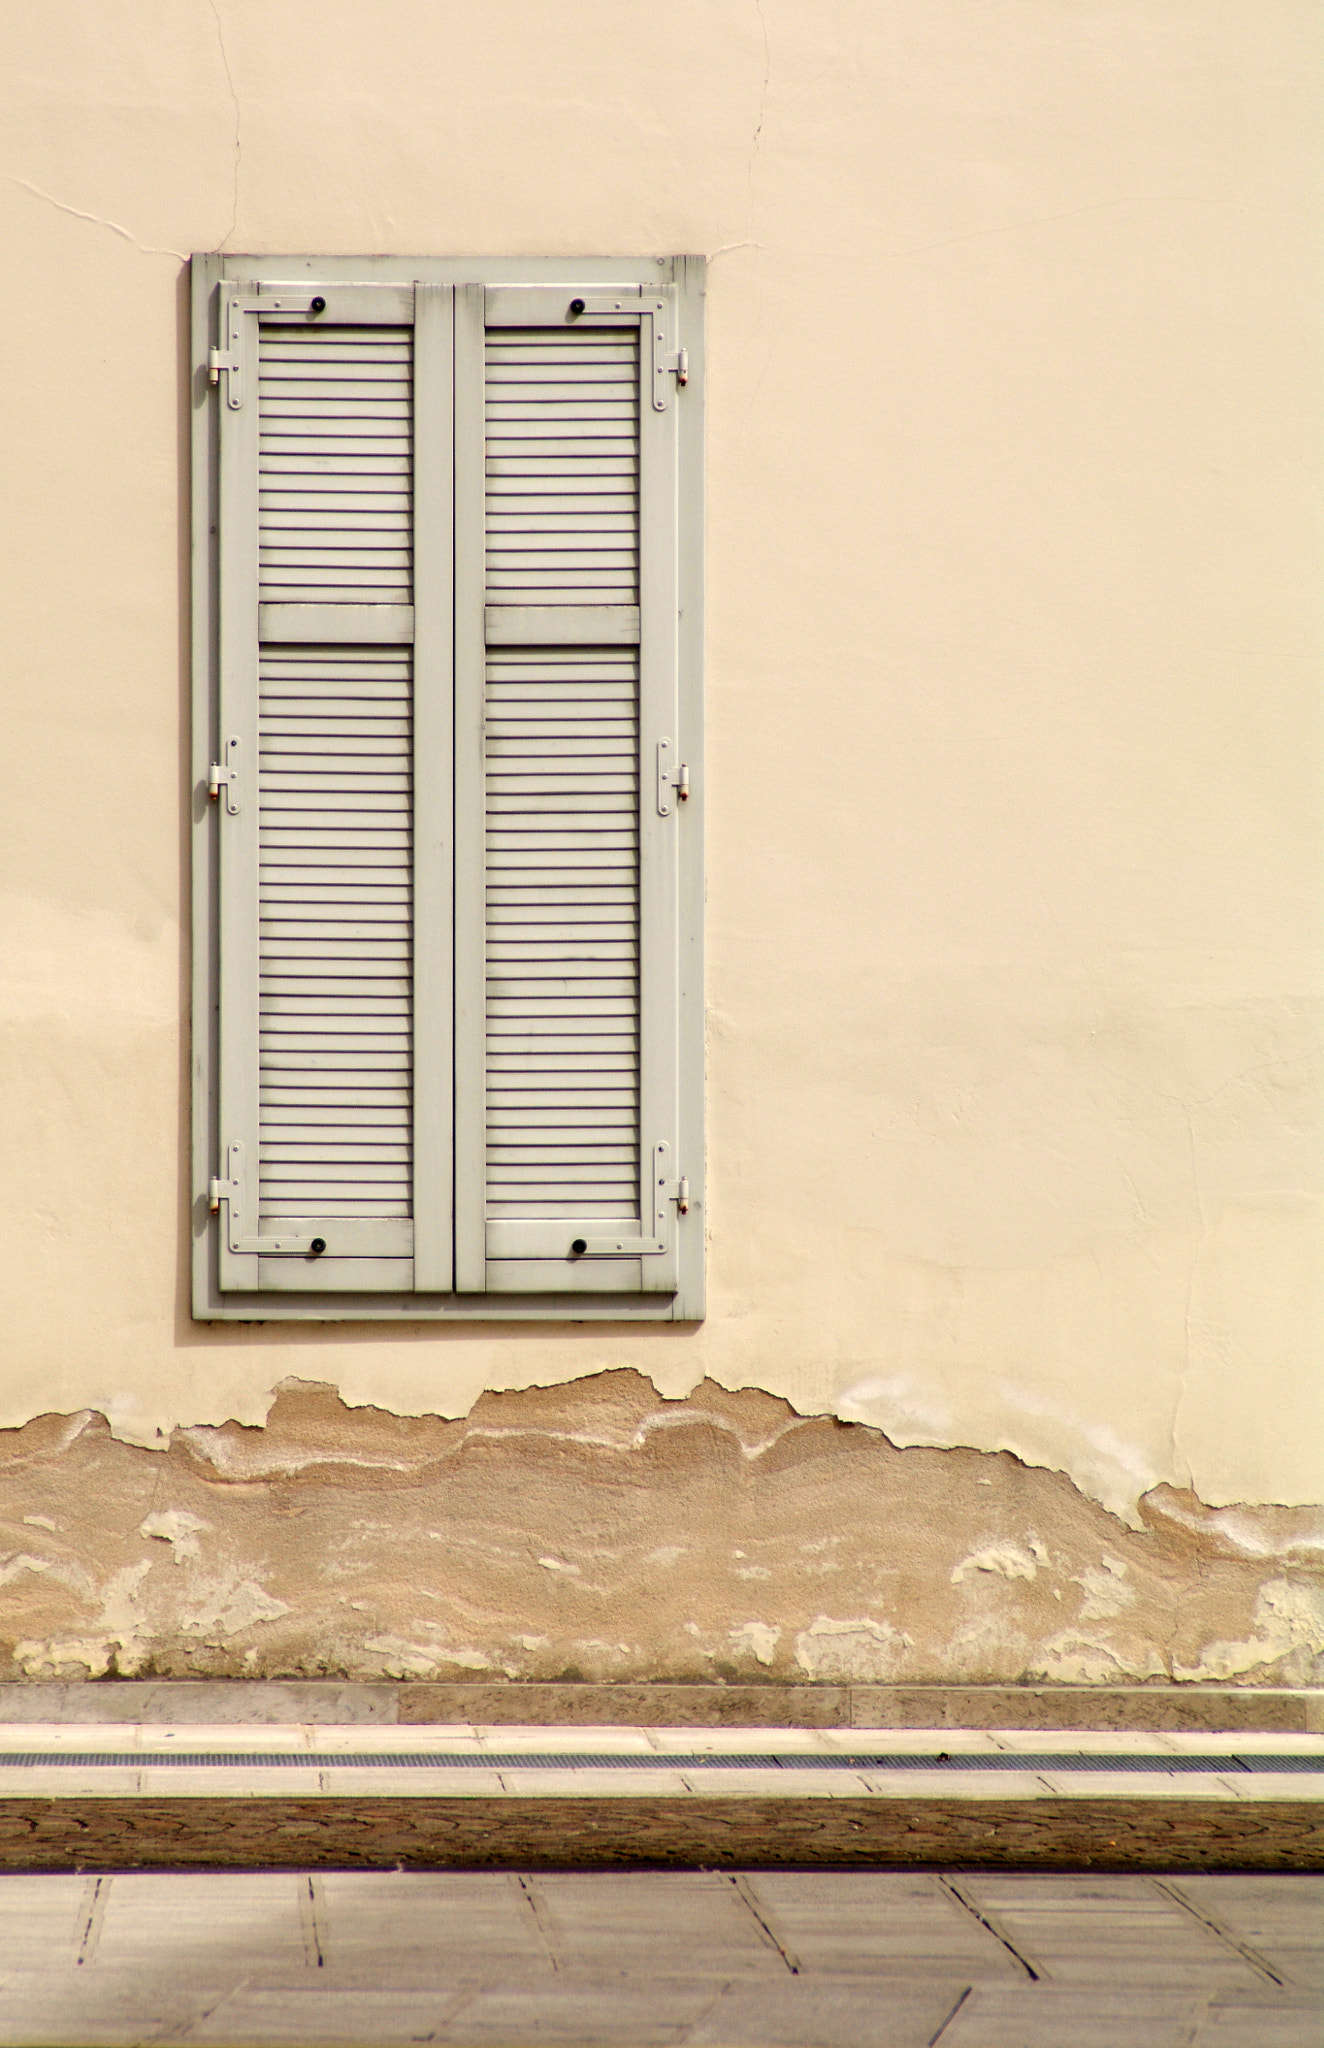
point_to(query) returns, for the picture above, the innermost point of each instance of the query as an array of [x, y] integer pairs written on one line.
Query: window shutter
[[332, 776], [568, 783]]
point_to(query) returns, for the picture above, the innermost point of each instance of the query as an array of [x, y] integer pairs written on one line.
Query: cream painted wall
[[1013, 681]]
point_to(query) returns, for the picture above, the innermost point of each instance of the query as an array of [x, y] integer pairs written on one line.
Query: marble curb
[[1230, 1709]]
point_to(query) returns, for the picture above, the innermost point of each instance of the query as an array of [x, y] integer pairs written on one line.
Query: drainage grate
[[579, 1760]]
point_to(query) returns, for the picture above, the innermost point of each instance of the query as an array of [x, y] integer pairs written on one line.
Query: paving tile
[[587, 1783], [398, 1926], [673, 1924], [971, 1785], [170, 1920], [1140, 1741], [380, 2016], [1280, 1918], [646, 2016], [99, 2008], [410, 1781], [877, 1923], [43, 1920], [616, 1741], [1282, 2023], [820, 2014], [1041, 2016], [913, 1741], [1089, 1932]]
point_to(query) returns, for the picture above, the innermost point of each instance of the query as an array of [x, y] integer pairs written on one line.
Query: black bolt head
[[318, 306], [317, 1247], [580, 1245], [576, 307]]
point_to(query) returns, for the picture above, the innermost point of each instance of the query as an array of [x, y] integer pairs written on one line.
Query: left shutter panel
[[334, 668]]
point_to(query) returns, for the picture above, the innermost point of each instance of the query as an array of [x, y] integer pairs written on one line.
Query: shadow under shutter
[[567, 792], [332, 778]]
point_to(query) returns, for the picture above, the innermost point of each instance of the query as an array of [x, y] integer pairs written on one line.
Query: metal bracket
[[231, 1193], [227, 776], [671, 782], [667, 363], [665, 1191]]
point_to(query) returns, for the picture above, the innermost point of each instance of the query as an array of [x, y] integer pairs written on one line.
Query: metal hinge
[[671, 781], [227, 356], [225, 776], [231, 1193]]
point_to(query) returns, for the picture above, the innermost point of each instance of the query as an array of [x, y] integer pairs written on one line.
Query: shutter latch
[[226, 775]]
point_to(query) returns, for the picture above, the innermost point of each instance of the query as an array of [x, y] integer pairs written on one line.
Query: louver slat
[[334, 452], [563, 868], [335, 945], [562, 414]]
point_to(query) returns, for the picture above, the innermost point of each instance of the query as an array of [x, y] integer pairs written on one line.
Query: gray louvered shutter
[[333, 783], [567, 1177]]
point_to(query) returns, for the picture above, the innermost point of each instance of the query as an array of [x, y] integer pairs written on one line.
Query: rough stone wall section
[[595, 1531]]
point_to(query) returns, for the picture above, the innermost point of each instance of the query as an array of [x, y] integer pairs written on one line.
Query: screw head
[[317, 1247], [576, 307], [318, 305]]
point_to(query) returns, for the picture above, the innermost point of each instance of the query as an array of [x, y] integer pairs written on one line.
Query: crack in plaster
[[238, 140], [96, 219], [756, 144]]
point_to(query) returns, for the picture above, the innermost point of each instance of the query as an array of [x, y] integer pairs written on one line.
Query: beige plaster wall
[[1014, 748]]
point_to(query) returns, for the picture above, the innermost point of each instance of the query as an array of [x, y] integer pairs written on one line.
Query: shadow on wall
[[598, 1531]]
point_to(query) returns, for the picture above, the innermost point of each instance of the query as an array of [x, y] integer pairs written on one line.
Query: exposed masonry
[[597, 1531]]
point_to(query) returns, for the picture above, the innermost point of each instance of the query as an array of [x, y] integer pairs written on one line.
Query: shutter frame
[[359, 1294]]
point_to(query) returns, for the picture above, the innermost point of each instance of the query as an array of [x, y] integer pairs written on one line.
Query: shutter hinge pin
[[218, 359], [683, 1195], [225, 775], [682, 784]]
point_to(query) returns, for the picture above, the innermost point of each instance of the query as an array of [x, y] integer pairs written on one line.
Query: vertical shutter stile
[[320, 676], [566, 887]]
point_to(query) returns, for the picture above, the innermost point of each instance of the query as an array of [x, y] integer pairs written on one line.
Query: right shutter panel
[[566, 687]]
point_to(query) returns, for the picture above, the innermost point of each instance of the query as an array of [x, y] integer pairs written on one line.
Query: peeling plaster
[[598, 1530]]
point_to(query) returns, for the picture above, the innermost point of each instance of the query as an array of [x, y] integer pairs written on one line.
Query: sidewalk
[[680, 1959]]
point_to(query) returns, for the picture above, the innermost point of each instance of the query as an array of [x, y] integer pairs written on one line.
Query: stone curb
[[1169, 1709]]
